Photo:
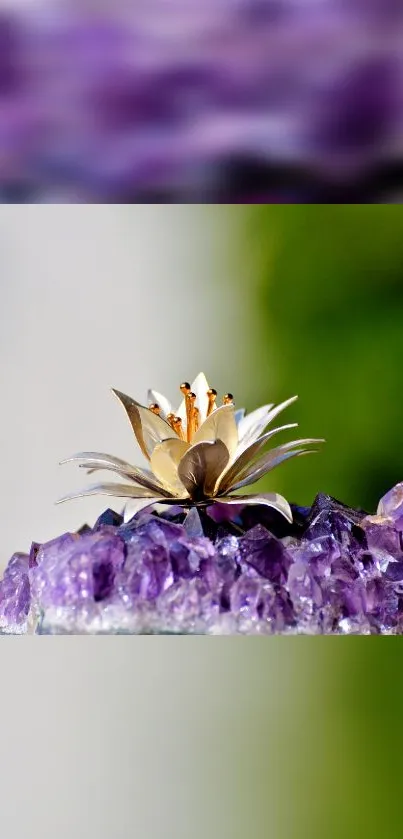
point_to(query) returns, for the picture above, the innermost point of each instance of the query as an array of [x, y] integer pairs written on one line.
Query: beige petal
[[254, 474], [244, 457], [94, 461], [149, 428], [220, 425], [201, 466], [117, 490], [164, 463], [268, 499]]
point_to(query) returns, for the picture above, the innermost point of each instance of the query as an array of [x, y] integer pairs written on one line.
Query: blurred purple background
[[252, 101]]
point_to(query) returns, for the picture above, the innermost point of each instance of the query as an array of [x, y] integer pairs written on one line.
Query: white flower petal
[[281, 407], [244, 456], [249, 430], [95, 461], [250, 449], [273, 455], [239, 414], [117, 490], [154, 397], [251, 425], [268, 499], [256, 473], [200, 387]]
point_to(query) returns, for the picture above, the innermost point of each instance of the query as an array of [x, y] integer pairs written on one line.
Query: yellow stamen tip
[[177, 426], [211, 395]]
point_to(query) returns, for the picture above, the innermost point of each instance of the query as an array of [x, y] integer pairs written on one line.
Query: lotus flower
[[201, 453]]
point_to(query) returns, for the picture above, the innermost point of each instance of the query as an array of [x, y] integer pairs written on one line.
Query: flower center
[[193, 420]]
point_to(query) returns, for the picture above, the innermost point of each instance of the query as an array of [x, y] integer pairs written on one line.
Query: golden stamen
[[170, 420], [228, 399], [190, 401], [196, 419], [177, 426], [212, 396], [155, 408], [185, 389]]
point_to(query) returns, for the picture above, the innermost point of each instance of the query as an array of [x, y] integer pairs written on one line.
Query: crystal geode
[[333, 570]]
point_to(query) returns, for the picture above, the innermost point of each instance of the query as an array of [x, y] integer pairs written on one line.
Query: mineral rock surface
[[335, 570]]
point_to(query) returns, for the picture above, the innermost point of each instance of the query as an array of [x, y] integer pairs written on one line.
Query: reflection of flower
[[202, 452]]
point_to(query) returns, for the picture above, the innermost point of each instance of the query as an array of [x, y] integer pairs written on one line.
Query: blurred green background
[[328, 300], [327, 286]]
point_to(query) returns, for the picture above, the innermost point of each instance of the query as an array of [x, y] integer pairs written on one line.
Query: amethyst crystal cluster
[[334, 570]]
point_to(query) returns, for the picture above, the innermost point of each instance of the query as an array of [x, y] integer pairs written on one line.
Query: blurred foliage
[[330, 304]]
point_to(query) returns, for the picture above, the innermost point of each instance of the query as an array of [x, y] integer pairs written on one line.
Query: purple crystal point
[[391, 506], [109, 517], [264, 552], [330, 518], [15, 595]]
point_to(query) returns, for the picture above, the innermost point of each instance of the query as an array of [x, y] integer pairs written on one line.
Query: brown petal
[[149, 428], [220, 425], [201, 466], [268, 499], [164, 463]]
